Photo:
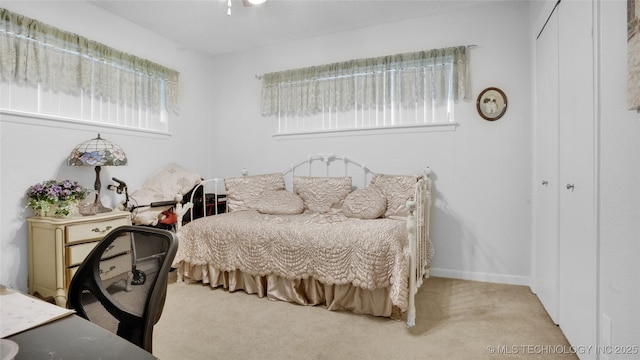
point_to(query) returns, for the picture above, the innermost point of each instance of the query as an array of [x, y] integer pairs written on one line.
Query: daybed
[[349, 239]]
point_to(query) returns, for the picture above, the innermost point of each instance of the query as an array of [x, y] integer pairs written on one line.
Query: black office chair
[[122, 283]]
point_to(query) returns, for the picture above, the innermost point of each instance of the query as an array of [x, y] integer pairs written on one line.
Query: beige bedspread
[[331, 248]]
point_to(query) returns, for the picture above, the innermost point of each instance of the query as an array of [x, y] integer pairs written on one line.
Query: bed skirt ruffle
[[299, 291]]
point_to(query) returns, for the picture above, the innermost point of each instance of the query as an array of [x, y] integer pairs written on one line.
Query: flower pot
[[63, 209], [56, 198]]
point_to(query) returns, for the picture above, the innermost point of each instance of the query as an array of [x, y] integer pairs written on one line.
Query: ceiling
[[205, 25]]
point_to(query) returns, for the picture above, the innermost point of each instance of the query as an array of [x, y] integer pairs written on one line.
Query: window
[[47, 71], [413, 89]]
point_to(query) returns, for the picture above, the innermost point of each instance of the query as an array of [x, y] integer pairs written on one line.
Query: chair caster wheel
[[139, 277]]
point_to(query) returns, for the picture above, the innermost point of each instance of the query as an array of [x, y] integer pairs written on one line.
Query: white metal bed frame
[[418, 221]]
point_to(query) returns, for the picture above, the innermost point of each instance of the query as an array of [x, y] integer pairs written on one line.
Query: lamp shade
[[97, 152]]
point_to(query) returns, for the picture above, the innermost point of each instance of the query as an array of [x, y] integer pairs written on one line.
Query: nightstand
[[57, 246]]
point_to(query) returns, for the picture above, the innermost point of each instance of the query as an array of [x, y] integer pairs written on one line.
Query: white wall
[[481, 220], [619, 185], [33, 150]]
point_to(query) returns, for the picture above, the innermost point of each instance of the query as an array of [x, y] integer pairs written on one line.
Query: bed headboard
[[321, 165], [329, 165]]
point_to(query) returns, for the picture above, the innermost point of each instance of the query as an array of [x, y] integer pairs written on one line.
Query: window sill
[[400, 129], [25, 117]]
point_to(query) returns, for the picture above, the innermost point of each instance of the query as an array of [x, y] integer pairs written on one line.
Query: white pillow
[[397, 189], [280, 202], [321, 193], [243, 193], [367, 203]]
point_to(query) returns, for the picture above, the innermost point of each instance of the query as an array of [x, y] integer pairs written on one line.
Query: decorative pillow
[[321, 193], [397, 189], [243, 193], [280, 202], [367, 203]]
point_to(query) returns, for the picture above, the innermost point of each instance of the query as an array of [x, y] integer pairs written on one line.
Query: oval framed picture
[[491, 104]]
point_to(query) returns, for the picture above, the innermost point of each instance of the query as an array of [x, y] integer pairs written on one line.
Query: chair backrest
[[122, 284]]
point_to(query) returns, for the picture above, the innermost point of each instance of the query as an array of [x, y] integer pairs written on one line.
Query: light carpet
[[456, 319]]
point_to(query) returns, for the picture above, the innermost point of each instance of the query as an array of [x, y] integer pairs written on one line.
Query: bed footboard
[[420, 246]]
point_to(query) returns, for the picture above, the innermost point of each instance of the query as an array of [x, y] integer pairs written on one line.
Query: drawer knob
[[101, 231]]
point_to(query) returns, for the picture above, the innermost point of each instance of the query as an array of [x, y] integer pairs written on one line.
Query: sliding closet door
[[578, 242], [546, 183]]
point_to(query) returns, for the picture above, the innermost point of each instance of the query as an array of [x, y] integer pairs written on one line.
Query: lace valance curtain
[[405, 79], [34, 53]]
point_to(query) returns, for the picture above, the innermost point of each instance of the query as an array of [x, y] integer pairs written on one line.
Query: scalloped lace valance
[[37, 54], [405, 79]]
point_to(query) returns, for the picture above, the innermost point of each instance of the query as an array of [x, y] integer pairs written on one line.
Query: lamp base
[[98, 207], [97, 186], [92, 209], [102, 209]]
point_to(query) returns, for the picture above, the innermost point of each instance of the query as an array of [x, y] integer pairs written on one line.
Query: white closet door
[[578, 244], [546, 184]]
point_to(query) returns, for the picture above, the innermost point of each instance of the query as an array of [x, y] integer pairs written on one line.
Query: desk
[[73, 337]]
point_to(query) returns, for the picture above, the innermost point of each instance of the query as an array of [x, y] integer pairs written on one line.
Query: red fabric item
[[168, 218]]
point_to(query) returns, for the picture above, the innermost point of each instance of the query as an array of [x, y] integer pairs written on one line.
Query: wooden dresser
[[57, 246]]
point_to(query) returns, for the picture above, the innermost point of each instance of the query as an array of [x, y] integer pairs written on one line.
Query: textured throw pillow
[[243, 193], [321, 193], [397, 189], [280, 202], [367, 203]]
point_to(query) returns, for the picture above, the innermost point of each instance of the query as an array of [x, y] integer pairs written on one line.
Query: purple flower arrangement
[[42, 196]]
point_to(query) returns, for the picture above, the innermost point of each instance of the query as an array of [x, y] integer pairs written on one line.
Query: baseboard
[[477, 276]]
